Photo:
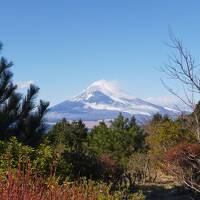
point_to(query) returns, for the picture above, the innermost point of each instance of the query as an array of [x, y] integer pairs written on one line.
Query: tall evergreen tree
[[19, 115], [123, 138], [73, 135], [120, 123]]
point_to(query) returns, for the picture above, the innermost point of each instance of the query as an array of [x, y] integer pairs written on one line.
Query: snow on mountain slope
[[102, 100], [104, 87]]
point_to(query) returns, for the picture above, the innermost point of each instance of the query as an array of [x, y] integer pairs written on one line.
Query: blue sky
[[63, 46]]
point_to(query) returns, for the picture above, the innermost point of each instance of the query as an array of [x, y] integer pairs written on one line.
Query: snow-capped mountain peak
[[107, 88], [103, 100]]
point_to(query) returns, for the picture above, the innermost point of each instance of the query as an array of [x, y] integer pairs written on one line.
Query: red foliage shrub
[[183, 161], [26, 186]]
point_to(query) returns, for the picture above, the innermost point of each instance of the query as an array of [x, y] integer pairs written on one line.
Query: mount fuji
[[102, 100]]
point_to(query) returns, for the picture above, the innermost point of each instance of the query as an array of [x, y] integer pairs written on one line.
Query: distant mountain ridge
[[103, 101]]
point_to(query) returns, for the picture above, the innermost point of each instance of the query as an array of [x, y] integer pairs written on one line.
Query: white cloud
[[111, 87], [24, 84], [169, 101]]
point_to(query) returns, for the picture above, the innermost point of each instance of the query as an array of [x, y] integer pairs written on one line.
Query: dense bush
[[14, 153], [165, 133], [183, 162]]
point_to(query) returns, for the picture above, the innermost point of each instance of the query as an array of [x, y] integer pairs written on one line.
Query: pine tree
[[120, 123], [19, 116], [73, 135]]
